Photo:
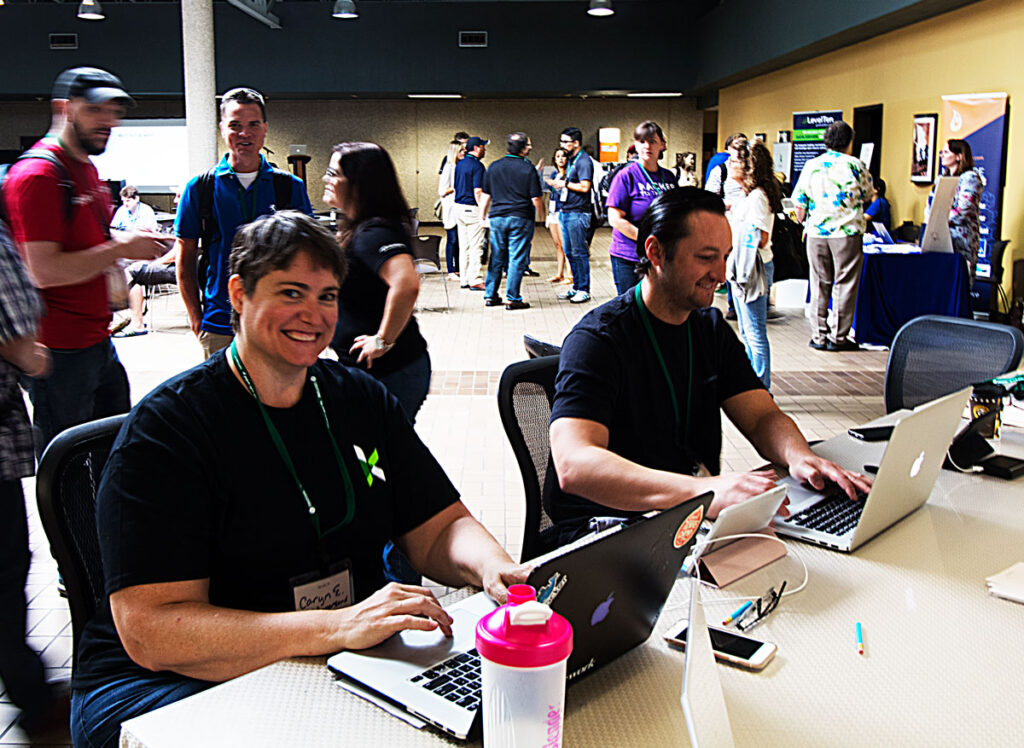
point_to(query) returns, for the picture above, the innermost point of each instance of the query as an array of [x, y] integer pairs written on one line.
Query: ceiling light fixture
[[435, 96], [601, 8], [90, 10], [655, 95], [345, 9]]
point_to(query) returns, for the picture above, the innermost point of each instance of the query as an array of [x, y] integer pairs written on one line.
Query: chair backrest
[[932, 356], [69, 475], [525, 394], [538, 348], [427, 248]]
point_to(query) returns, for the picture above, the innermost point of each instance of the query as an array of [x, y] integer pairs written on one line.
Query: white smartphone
[[729, 647]]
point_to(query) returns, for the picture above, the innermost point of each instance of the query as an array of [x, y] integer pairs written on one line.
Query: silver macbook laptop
[[936, 236], [906, 475], [707, 718], [610, 586]]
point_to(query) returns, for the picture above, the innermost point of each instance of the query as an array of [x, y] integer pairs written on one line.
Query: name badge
[[313, 592], [563, 194]]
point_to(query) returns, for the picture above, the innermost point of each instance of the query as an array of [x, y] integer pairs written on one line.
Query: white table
[[944, 662]]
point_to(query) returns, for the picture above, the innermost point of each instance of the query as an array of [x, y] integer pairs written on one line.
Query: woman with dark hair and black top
[[376, 327]]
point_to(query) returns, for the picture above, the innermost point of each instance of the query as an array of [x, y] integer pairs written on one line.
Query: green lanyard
[[659, 186], [664, 368], [275, 436]]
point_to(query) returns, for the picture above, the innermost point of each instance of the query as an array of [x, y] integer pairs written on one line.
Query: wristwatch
[[382, 345]]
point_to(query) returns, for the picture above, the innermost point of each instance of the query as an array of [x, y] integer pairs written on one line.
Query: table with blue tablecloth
[[896, 287]]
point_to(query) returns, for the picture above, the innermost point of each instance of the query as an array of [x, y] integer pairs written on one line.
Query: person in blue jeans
[[512, 194], [751, 266], [575, 193]]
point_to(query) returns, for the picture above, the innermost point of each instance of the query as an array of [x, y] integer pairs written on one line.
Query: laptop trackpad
[[800, 496]]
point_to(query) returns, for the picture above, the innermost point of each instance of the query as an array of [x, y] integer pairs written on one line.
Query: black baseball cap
[[474, 141], [92, 84]]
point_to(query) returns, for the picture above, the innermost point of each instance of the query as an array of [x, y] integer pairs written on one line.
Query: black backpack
[[63, 179], [205, 185], [601, 204], [788, 250]]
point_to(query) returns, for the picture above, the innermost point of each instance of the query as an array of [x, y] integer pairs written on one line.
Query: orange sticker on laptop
[[689, 527]]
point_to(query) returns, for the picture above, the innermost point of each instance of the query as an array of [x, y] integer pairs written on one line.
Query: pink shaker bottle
[[524, 647]]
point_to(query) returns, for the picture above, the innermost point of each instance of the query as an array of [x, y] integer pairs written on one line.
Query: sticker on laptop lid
[[549, 591], [689, 527]]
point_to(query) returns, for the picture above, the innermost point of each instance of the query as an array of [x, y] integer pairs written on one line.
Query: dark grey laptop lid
[[613, 589]]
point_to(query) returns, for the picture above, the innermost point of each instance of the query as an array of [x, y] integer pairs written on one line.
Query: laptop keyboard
[[834, 514], [457, 679]]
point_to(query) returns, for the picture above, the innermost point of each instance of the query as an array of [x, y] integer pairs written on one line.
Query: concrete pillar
[[200, 84]]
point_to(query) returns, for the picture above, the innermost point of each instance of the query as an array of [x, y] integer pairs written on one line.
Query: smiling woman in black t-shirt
[[246, 503], [376, 327]]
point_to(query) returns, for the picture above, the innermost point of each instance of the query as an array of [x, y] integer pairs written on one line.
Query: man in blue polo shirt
[[244, 187], [512, 192], [469, 184], [575, 216]]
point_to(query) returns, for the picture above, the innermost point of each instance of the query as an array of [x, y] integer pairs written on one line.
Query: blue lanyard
[[659, 186]]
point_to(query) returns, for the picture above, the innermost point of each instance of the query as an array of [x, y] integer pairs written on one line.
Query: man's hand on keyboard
[[817, 470]]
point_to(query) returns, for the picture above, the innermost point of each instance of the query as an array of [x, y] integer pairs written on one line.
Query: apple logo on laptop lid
[[916, 467]]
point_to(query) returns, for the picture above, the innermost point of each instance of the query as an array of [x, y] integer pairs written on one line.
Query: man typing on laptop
[[246, 503], [636, 422]]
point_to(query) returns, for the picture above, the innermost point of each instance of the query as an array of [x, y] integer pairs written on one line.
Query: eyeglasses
[[765, 604], [566, 141], [331, 173]]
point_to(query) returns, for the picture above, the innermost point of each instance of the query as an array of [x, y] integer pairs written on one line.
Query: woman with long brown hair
[[376, 328], [965, 213], [751, 267], [560, 159]]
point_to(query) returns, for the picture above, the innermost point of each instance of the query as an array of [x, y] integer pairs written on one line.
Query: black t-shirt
[[608, 372], [581, 169], [195, 489], [512, 182], [363, 295]]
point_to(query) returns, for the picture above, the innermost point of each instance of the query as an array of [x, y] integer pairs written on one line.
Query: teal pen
[[737, 613], [860, 639]]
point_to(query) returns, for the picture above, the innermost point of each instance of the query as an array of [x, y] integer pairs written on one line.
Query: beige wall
[[973, 50], [416, 133]]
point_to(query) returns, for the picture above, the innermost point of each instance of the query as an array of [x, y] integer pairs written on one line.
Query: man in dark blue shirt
[[575, 194], [469, 183], [512, 192]]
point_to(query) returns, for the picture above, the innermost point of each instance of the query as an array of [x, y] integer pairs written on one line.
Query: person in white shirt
[[751, 268], [133, 215]]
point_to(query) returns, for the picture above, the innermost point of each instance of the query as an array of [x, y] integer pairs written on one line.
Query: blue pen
[[737, 613]]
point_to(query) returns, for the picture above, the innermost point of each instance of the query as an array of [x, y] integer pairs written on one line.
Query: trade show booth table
[[896, 287]]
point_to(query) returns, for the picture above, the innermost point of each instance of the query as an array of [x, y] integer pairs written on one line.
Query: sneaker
[[492, 301], [817, 346], [846, 345], [513, 305], [579, 297], [566, 295], [531, 272], [477, 287]]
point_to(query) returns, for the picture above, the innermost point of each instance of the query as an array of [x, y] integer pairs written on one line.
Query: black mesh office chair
[[538, 348], [932, 356], [69, 474], [525, 393]]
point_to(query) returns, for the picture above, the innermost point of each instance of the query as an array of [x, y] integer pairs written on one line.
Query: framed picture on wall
[[922, 160]]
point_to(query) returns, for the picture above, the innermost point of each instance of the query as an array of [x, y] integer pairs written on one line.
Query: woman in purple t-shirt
[[634, 187]]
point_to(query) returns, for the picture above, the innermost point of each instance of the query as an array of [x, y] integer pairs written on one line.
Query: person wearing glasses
[[574, 191], [213, 205], [965, 213], [290, 473], [643, 379]]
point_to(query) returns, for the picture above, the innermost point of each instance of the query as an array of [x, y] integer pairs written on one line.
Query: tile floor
[[470, 345]]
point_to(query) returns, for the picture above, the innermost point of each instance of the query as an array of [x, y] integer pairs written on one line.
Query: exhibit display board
[[809, 136], [980, 119]]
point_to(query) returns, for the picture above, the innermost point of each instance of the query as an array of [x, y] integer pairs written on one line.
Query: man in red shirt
[[60, 212]]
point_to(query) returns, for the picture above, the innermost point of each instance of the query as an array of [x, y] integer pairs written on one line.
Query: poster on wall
[[809, 136], [782, 155], [922, 162], [980, 119]]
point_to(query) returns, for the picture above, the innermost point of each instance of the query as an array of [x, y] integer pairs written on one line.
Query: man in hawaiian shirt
[[832, 193]]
